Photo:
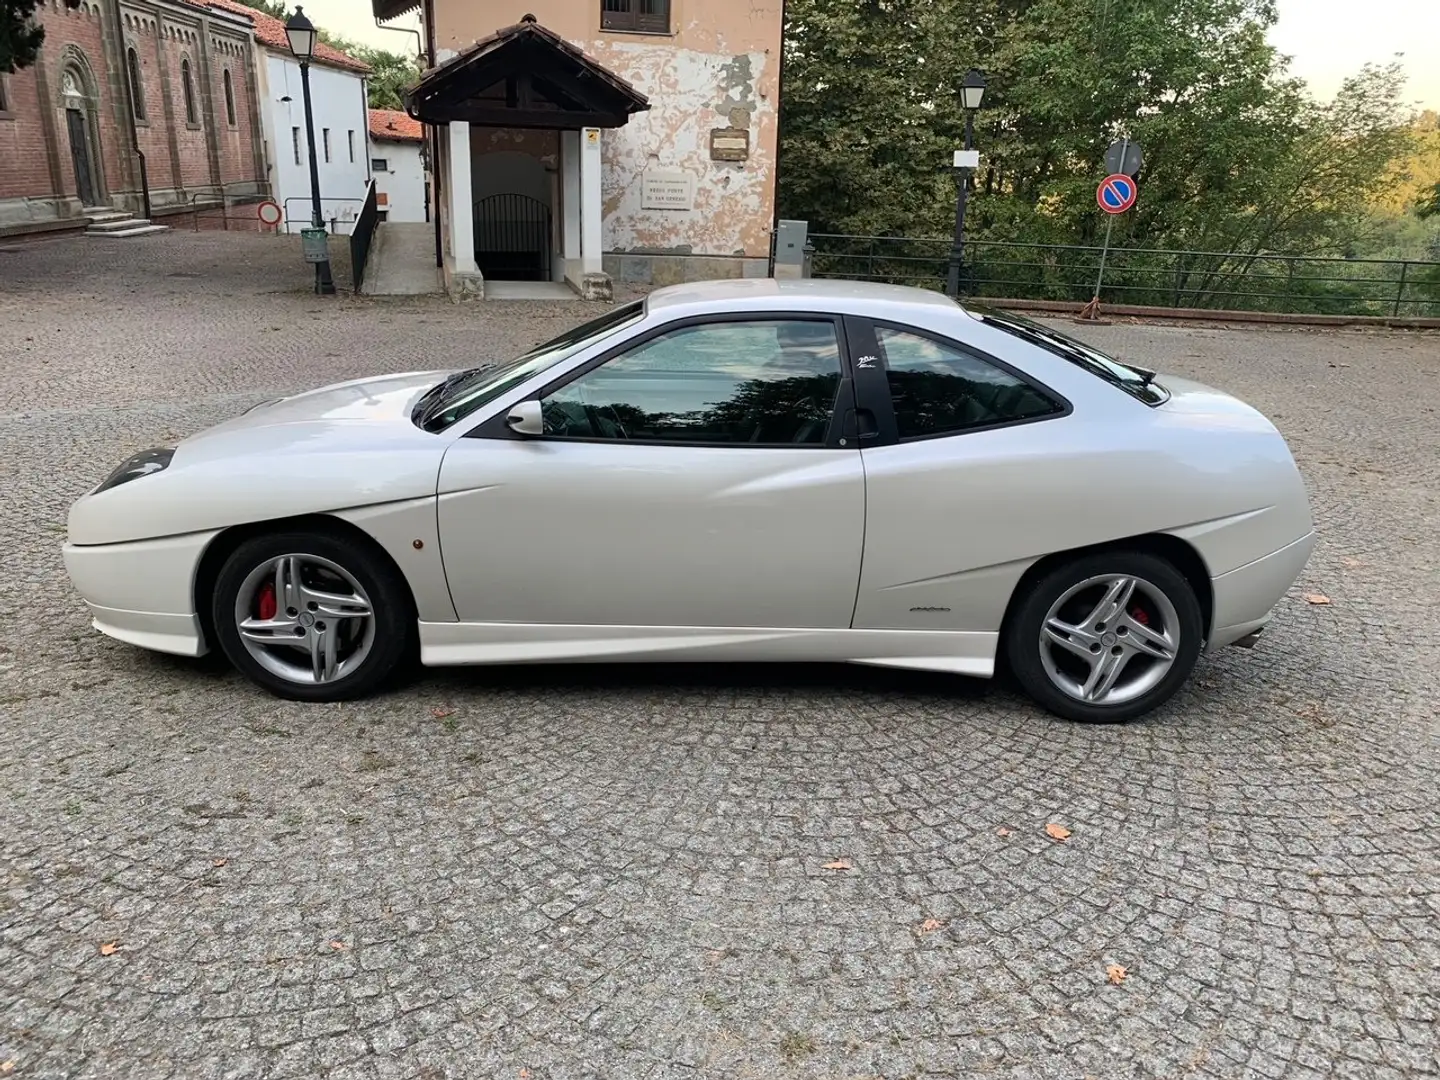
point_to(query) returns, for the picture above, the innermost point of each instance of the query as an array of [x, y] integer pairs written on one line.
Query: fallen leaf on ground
[[219, 862], [524, 1074], [109, 947], [1115, 973], [7, 1066], [337, 945], [1057, 832], [1316, 598], [929, 926], [1002, 831], [442, 712], [838, 864]]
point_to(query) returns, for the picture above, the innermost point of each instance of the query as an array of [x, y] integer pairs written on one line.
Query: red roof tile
[[394, 125], [270, 31]]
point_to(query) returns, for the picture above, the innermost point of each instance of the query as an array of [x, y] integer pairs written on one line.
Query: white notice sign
[[667, 191]]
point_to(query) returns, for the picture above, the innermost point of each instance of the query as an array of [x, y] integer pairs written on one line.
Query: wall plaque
[[729, 144], [667, 190]]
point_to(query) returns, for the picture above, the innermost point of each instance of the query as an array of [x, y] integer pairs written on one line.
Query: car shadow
[[713, 677]]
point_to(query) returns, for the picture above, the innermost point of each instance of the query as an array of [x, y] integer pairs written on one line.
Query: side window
[[769, 382], [939, 390]]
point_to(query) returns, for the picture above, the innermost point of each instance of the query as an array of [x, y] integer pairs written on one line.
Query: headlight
[[141, 464]]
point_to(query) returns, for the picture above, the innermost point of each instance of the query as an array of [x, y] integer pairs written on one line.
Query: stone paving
[[556, 872]]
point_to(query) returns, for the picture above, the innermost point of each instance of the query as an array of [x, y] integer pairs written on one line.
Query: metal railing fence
[[1290, 284]]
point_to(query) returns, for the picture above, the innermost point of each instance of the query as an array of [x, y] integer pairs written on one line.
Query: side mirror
[[525, 418]]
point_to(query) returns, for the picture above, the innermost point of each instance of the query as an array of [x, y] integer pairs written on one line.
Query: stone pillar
[[595, 283], [462, 276], [570, 205]]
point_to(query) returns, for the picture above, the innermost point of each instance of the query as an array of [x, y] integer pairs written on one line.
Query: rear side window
[[1135, 381], [940, 390]]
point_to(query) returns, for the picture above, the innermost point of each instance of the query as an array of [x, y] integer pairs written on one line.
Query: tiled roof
[[394, 125], [270, 32]]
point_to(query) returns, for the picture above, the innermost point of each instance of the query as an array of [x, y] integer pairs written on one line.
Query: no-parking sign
[[1117, 193]]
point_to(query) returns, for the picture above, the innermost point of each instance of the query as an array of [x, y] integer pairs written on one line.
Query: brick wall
[[22, 140], [34, 137], [72, 37], [235, 141], [151, 131]]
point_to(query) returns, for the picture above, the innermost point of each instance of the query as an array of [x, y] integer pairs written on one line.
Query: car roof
[[807, 294]]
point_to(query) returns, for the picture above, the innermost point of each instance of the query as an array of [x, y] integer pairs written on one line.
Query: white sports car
[[743, 470]]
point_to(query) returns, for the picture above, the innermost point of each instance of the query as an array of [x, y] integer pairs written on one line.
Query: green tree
[[20, 34], [390, 75], [1237, 156]]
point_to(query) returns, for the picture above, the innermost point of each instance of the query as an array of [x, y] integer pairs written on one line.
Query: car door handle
[[860, 424]]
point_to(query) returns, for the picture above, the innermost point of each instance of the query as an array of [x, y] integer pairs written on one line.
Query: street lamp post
[[302, 36], [972, 93]]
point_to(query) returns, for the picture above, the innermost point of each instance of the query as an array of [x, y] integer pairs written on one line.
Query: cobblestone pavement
[[554, 872]]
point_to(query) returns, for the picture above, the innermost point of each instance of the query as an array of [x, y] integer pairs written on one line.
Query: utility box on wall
[[790, 240]]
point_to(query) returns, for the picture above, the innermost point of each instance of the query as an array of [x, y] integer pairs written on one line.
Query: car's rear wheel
[[312, 617], [1105, 637]]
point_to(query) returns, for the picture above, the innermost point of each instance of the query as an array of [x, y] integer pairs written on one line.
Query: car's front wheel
[[311, 616], [1105, 637]]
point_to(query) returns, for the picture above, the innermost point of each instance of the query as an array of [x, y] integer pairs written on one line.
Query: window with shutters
[[636, 16]]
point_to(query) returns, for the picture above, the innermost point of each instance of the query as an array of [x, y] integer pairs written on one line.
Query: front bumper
[[1245, 597], [143, 592]]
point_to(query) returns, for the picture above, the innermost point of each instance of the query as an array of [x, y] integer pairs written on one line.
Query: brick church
[[134, 109]]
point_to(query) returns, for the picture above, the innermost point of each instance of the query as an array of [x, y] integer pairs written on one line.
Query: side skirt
[[960, 653]]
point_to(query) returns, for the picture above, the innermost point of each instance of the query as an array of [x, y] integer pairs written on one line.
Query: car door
[[960, 489], [697, 475]]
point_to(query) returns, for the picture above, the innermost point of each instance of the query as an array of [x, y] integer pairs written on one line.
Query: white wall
[[404, 180], [337, 99]]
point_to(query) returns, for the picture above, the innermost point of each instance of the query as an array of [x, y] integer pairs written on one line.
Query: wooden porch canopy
[[524, 76]]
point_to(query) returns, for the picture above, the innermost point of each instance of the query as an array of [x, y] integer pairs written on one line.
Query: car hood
[[380, 399], [343, 446]]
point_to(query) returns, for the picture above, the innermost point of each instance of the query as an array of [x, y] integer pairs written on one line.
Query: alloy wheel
[[1109, 639], [305, 619]]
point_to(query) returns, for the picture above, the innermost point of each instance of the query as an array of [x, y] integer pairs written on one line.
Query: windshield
[[465, 391], [1138, 382]]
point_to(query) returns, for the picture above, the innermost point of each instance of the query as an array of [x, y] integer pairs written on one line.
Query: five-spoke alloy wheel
[[1105, 637], [312, 616]]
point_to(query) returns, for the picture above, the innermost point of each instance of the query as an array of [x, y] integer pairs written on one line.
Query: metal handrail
[[362, 234], [1156, 276], [334, 222]]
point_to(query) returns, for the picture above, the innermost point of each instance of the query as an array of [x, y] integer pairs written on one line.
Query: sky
[[1330, 39], [1327, 39]]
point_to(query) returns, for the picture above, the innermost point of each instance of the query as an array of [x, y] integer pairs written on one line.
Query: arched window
[[229, 98], [188, 85], [137, 88]]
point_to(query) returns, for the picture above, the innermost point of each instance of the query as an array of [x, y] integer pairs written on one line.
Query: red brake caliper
[[1138, 614], [265, 603]]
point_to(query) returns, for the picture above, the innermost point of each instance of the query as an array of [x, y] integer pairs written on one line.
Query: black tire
[[1022, 636], [391, 604]]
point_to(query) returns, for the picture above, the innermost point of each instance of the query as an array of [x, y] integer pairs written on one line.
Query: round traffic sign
[[269, 212], [1117, 193]]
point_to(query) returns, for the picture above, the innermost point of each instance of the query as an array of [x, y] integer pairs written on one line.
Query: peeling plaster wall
[[721, 68]]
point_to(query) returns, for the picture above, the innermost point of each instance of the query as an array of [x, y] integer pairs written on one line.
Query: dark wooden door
[[80, 155]]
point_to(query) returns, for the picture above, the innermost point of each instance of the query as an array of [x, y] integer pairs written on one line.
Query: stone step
[[124, 221], [141, 228]]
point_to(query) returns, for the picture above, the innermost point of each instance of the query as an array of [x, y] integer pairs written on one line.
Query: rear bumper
[[1246, 597], [143, 592]]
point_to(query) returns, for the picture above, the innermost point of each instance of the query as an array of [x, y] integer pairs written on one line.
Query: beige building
[[586, 141]]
